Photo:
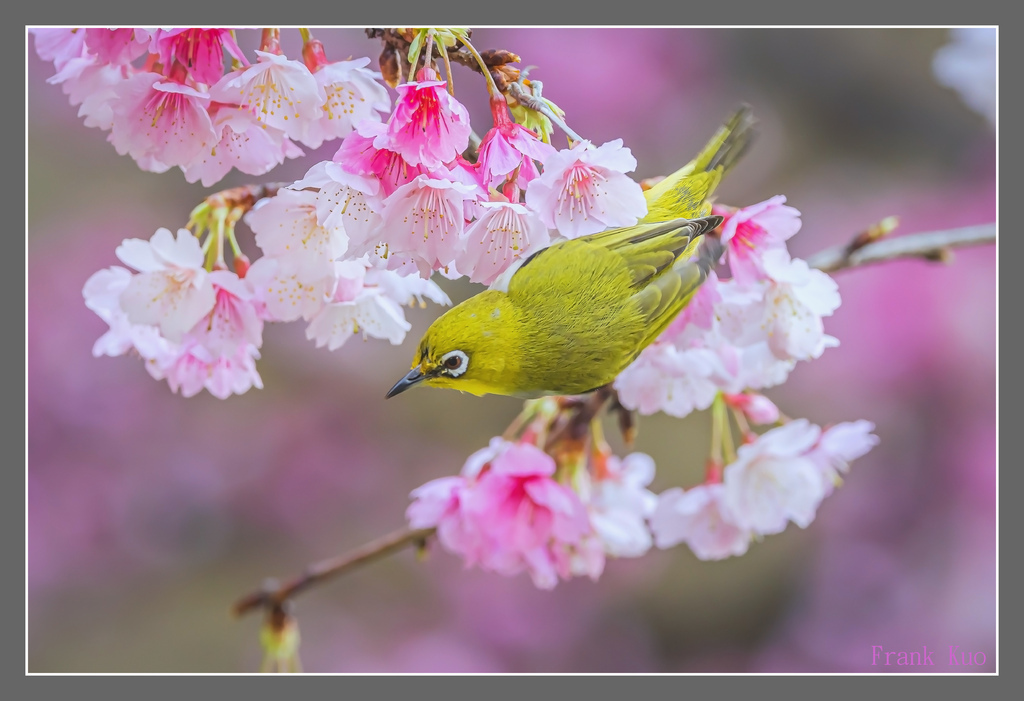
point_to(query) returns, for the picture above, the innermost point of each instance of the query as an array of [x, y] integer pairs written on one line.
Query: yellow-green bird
[[576, 313]]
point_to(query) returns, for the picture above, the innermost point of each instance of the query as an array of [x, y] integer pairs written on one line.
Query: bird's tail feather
[[685, 192]]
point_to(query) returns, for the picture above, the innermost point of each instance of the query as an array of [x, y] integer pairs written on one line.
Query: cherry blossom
[[669, 379], [748, 232], [347, 201], [840, 445], [968, 65], [191, 368], [161, 120], [506, 514], [200, 51], [287, 228], [102, 293], [358, 154], [509, 147], [584, 190], [117, 46], [756, 407], [172, 291], [282, 296], [352, 95], [429, 127], [794, 304], [772, 481], [91, 85], [503, 233], [242, 143], [426, 219], [619, 504], [281, 93], [233, 322], [700, 518], [59, 45]]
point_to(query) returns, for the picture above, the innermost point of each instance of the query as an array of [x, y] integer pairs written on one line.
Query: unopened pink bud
[[241, 265], [313, 55]]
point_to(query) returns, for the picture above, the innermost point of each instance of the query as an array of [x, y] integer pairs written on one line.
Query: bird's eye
[[454, 363]]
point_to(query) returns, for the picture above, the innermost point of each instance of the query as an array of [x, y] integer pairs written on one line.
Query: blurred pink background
[[149, 513]]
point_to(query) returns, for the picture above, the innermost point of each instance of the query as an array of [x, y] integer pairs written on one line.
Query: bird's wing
[[666, 294], [648, 249]]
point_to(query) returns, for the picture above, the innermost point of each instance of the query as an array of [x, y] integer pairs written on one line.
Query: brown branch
[[273, 597], [497, 60], [932, 245]]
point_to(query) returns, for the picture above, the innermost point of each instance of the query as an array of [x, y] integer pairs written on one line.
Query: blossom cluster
[[200, 329], [742, 333], [353, 240], [516, 507], [166, 100], [406, 193]]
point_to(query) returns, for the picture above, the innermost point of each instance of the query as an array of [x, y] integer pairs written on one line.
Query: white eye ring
[[458, 369]]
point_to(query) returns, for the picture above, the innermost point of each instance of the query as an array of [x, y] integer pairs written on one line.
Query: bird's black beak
[[412, 379]]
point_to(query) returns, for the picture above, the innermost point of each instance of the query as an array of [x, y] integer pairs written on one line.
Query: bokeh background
[[149, 513]]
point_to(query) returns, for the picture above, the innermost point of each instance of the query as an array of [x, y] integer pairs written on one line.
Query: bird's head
[[471, 347]]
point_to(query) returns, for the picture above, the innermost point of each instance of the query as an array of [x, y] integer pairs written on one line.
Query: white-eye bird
[[572, 316]]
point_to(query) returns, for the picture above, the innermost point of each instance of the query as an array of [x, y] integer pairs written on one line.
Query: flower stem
[[720, 417], [447, 68], [492, 89]]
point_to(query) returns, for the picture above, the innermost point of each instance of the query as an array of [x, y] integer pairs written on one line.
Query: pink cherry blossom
[[699, 313], [619, 505], [91, 85], [172, 291], [243, 143], [352, 95], [583, 190], [370, 313], [102, 293], [795, 301], [425, 218], [503, 233], [405, 289], [281, 296], [287, 228], [509, 146], [358, 155], [355, 307], [281, 93], [117, 46], [666, 378], [162, 120], [756, 407], [348, 201], [750, 231], [750, 366], [700, 518], [233, 322], [59, 45], [191, 368], [200, 51], [840, 445], [772, 481], [429, 126], [506, 514]]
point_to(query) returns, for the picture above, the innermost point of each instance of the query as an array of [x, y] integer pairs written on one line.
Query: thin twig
[[320, 572], [932, 245]]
